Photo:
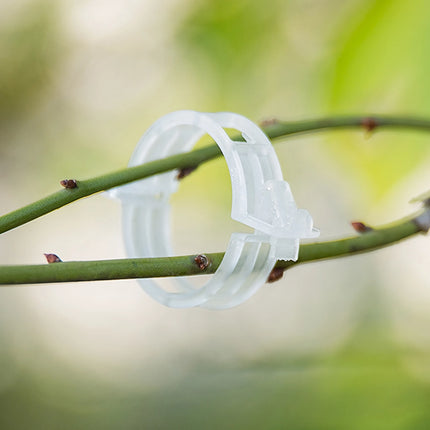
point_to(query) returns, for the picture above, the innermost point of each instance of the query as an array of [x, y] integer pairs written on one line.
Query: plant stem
[[192, 159], [130, 268], [368, 123]]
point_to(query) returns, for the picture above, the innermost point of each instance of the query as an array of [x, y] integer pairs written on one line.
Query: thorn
[[369, 124], [268, 122], [202, 261], [52, 258], [275, 275], [360, 227], [69, 183], [185, 171]]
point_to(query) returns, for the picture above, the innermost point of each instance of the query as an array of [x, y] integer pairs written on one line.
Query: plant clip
[[261, 199]]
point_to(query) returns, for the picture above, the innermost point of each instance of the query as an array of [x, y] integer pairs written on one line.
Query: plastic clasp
[[261, 199]]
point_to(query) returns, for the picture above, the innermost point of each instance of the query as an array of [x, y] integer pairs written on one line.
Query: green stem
[[369, 123], [193, 158], [185, 265]]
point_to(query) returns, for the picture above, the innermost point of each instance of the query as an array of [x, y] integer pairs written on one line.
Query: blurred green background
[[335, 345]]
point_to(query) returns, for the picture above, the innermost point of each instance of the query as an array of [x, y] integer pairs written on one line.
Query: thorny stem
[[192, 159], [187, 265]]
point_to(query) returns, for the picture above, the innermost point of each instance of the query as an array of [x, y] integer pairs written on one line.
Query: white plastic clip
[[260, 199]]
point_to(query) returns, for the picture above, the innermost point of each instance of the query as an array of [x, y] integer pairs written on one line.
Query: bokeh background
[[333, 345]]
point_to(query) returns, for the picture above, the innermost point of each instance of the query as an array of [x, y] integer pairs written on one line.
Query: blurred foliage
[[29, 49], [361, 387], [381, 66], [382, 60], [229, 43]]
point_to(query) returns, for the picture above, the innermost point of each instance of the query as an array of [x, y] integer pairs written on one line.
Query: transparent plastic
[[261, 199]]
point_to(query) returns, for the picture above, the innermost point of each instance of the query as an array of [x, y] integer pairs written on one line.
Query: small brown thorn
[[69, 183], [369, 124], [268, 122], [52, 258], [185, 171], [360, 227], [275, 275], [202, 261]]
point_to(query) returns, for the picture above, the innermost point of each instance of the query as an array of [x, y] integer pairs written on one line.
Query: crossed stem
[[367, 240]]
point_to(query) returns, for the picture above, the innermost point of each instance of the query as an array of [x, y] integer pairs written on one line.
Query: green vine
[[276, 130], [369, 239]]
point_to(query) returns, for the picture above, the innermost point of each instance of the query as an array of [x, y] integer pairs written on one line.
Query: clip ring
[[260, 199]]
